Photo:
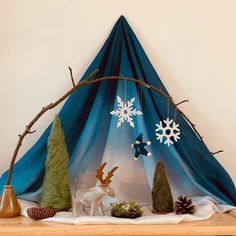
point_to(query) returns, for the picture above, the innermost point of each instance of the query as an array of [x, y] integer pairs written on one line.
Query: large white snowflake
[[125, 112], [169, 131]]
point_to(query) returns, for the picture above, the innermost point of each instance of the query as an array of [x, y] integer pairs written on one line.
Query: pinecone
[[37, 213], [184, 206]]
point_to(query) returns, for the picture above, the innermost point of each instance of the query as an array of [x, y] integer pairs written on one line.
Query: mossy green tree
[[56, 189], [162, 199]]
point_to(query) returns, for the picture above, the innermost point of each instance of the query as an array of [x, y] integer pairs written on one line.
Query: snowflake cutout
[[167, 131], [125, 112]]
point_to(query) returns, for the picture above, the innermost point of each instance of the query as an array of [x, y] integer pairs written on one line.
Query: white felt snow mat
[[205, 207]]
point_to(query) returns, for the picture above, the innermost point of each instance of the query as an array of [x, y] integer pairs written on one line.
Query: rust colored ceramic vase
[[9, 206]]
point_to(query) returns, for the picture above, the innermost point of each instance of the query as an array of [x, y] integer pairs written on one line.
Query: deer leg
[[83, 207], [76, 207], [94, 207], [100, 208]]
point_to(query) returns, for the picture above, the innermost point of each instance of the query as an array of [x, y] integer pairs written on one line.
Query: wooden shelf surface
[[219, 224]]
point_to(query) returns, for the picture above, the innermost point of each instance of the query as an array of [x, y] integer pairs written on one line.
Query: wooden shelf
[[219, 224]]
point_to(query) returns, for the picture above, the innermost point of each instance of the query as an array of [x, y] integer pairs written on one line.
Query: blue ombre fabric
[[92, 136]]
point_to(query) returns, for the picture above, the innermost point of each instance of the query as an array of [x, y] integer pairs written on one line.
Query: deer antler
[[109, 175], [100, 173]]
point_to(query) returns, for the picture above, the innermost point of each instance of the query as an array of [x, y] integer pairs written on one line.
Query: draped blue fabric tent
[[92, 135]]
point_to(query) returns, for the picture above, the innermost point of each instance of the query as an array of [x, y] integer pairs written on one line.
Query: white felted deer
[[94, 195]]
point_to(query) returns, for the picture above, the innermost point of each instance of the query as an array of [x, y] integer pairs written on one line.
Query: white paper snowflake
[[125, 112], [167, 131]]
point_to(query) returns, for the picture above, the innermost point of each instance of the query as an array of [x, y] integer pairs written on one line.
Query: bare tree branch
[[85, 82]]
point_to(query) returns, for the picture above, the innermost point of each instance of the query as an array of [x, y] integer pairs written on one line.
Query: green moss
[[162, 200], [126, 210], [56, 191]]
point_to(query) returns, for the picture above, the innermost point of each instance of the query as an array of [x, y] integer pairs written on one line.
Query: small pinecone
[[37, 213], [184, 206]]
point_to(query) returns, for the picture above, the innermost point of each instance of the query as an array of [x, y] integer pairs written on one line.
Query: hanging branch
[[159, 91], [85, 82]]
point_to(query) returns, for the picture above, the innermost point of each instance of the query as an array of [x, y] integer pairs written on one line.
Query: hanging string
[[168, 108], [141, 105], [175, 115], [125, 91]]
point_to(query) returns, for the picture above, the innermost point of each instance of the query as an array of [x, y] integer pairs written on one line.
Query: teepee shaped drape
[[92, 135]]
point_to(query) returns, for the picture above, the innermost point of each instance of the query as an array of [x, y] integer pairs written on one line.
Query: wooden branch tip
[[214, 153], [177, 104], [71, 76]]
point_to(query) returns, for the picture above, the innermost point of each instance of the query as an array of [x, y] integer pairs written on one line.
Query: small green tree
[[162, 200], [56, 190]]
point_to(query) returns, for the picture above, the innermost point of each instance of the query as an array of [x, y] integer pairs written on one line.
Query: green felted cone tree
[[56, 190], [162, 200]]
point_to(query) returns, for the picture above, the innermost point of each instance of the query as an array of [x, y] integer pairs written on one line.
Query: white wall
[[191, 44]]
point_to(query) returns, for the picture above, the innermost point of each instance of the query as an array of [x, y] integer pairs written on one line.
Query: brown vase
[[9, 206]]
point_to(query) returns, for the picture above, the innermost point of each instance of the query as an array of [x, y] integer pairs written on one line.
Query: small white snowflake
[[167, 131], [125, 112]]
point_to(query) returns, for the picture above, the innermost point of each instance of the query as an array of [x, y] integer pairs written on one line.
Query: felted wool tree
[[56, 190], [162, 200]]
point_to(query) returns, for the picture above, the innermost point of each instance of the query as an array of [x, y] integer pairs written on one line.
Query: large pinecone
[[184, 206], [37, 213]]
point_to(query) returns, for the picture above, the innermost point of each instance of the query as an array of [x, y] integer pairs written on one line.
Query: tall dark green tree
[[162, 200], [56, 189]]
